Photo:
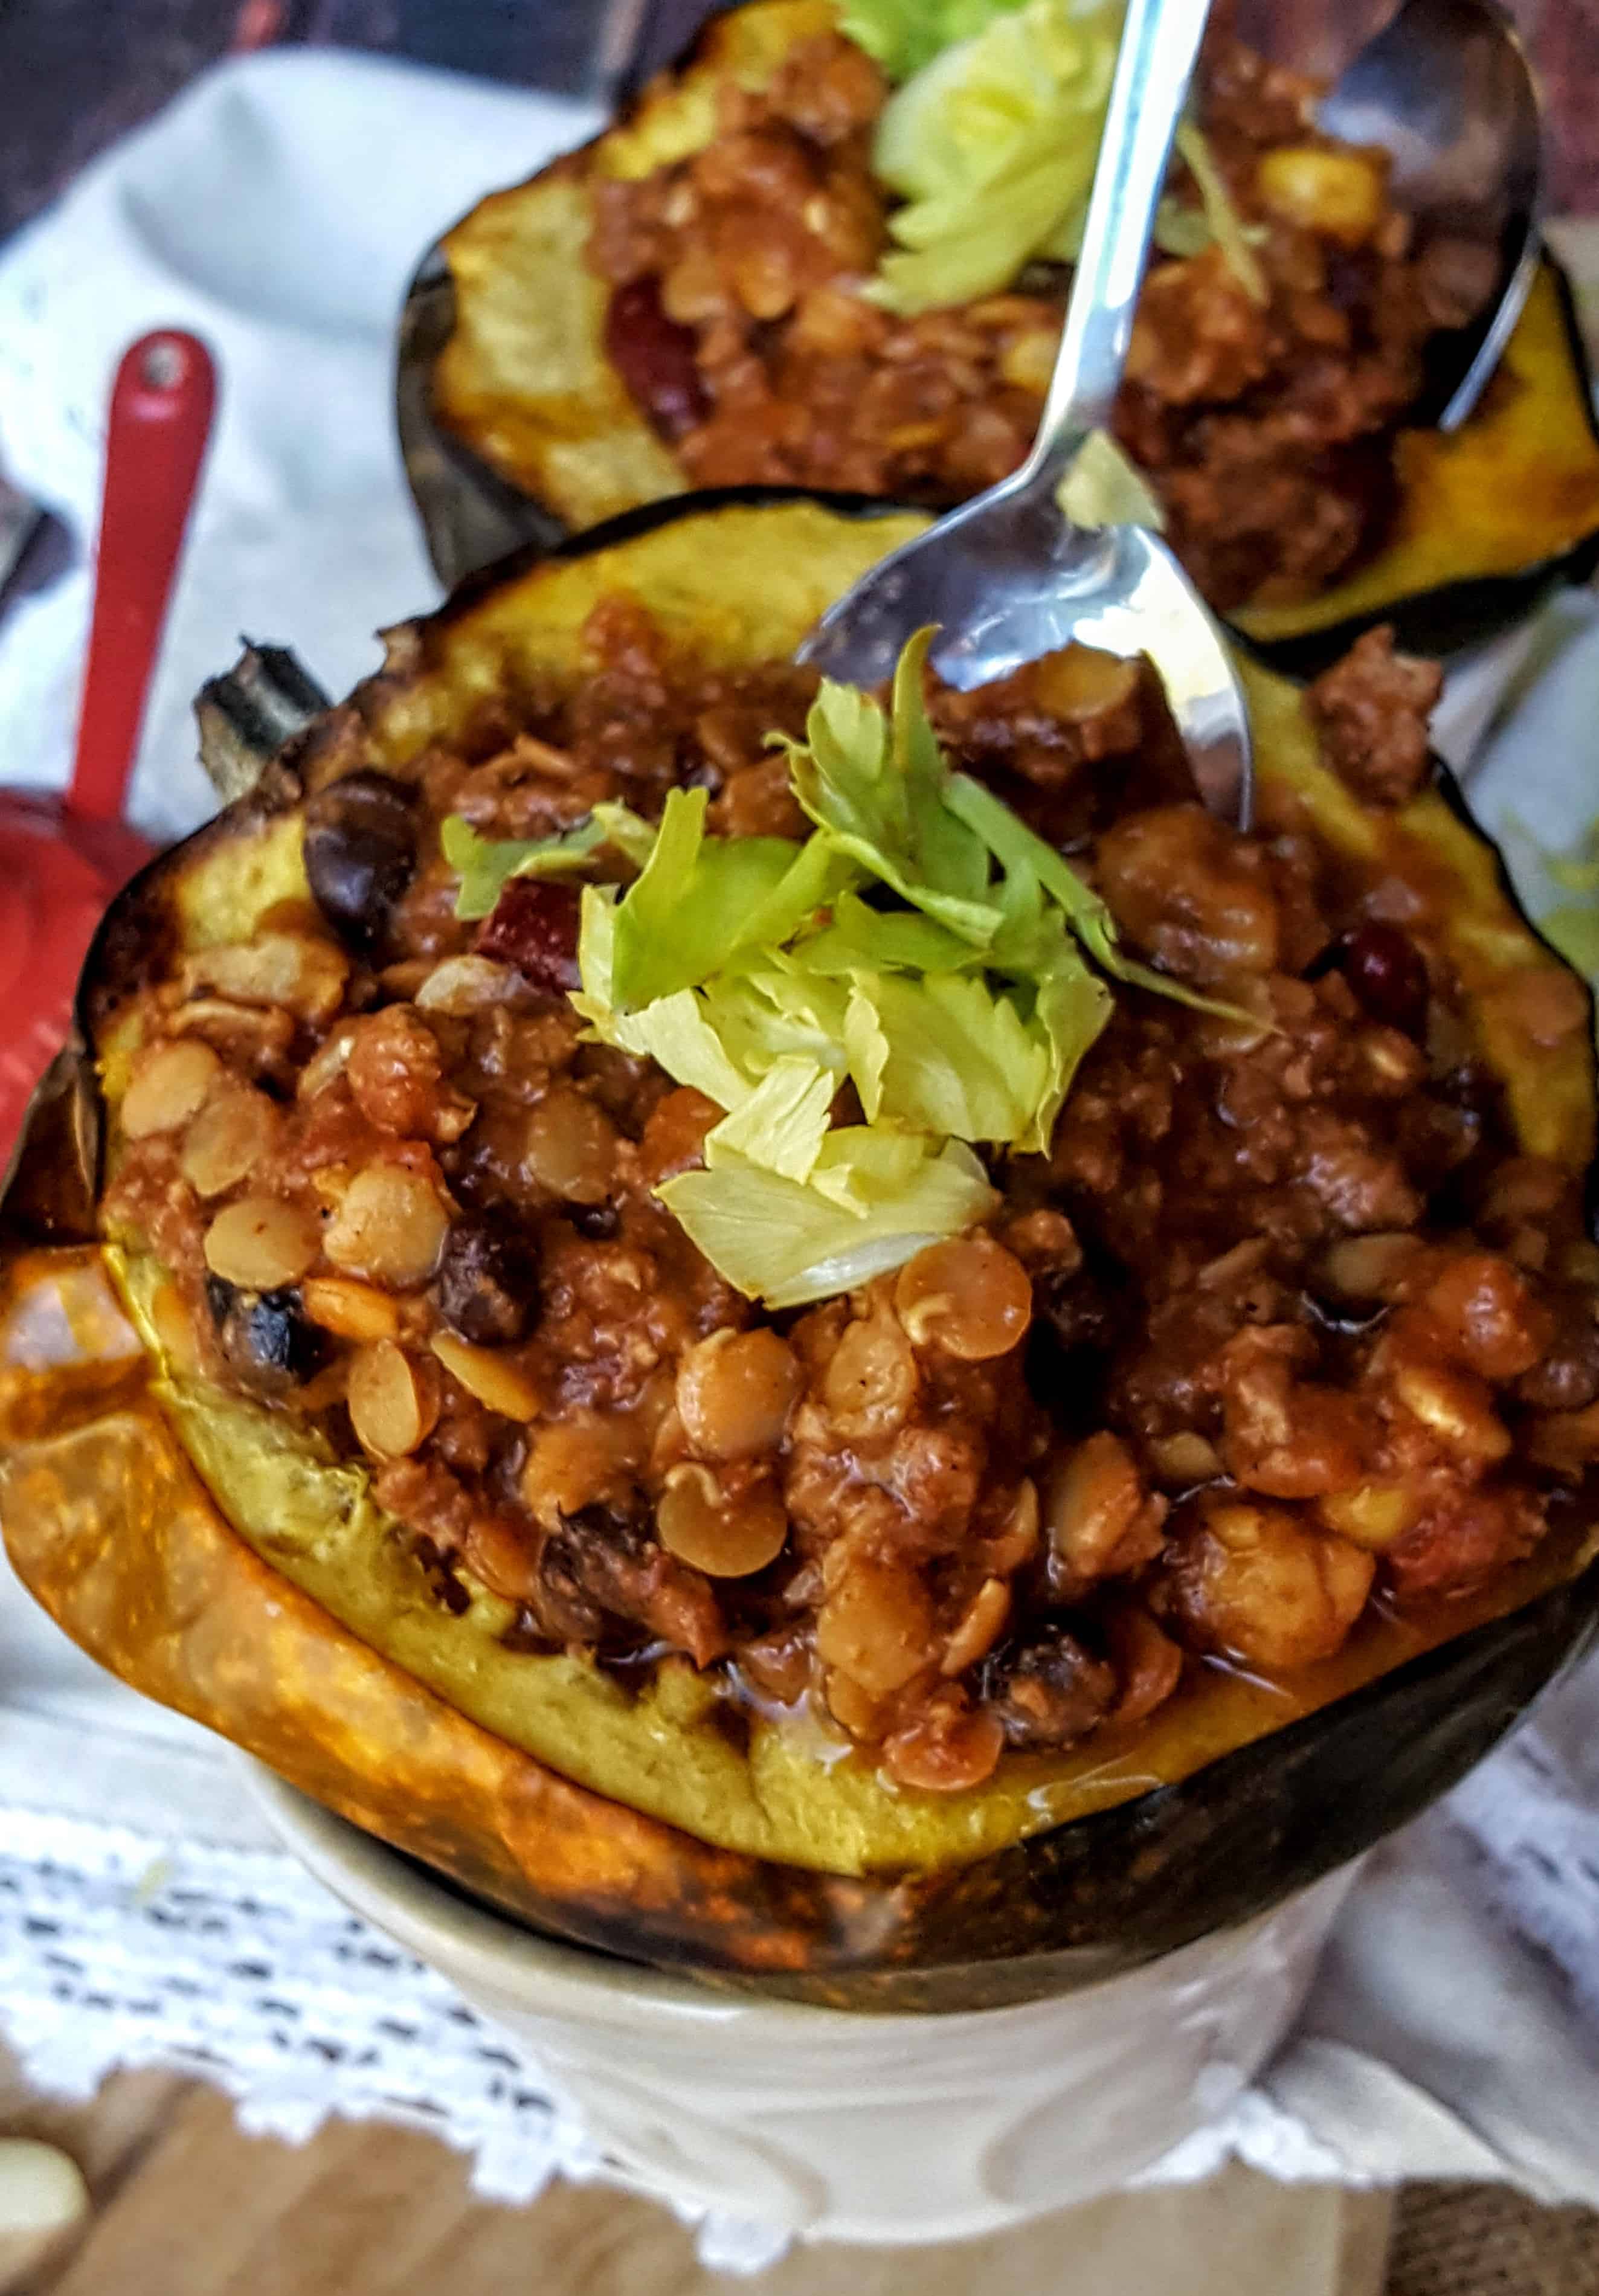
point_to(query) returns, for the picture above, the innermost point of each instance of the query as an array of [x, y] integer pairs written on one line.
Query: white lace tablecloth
[[145, 1917]]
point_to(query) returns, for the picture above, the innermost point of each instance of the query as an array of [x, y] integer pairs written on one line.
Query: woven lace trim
[[236, 1967]]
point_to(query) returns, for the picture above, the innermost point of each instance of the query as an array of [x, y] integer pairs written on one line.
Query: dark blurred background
[[74, 74]]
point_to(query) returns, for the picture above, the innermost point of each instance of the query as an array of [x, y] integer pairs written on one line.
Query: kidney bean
[[1388, 974], [535, 927], [655, 358], [360, 852]]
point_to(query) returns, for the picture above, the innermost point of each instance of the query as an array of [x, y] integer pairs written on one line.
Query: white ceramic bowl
[[841, 2126]]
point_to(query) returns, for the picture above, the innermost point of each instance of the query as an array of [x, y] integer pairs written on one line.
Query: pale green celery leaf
[[699, 901], [867, 1048], [1071, 1007], [1103, 488], [485, 863], [961, 1059], [861, 938], [1226, 225], [597, 943], [1015, 845], [675, 1033], [875, 788], [626, 832], [776, 1008], [904, 35], [784, 1244], [782, 1123], [992, 147]]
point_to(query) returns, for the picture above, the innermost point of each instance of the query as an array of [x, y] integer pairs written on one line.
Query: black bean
[[266, 1337], [360, 852], [1048, 1690], [1388, 974], [486, 1287]]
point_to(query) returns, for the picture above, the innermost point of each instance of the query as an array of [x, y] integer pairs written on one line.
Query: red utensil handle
[[161, 419]]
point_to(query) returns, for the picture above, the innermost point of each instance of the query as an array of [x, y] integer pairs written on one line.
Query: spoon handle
[[1159, 46], [159, 421]]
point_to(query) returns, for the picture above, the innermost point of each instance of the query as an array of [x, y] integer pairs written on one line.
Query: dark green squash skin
[[1084, 1902]]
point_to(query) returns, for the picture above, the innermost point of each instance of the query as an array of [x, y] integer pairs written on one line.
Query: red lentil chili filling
[[738, 325], [1282, 1328]]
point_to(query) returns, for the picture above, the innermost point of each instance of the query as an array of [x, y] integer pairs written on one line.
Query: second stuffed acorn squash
[[245, 1510], [689, 302]]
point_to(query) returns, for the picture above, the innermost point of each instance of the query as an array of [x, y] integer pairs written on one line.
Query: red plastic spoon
[[62, 859]]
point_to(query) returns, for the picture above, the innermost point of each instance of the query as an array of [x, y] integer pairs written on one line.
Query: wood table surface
[[183, 2205]]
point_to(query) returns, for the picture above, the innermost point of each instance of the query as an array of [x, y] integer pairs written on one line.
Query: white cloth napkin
[[277, 209]]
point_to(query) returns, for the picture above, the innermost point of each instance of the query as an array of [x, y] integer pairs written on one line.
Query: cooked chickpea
[[170, 1083], [1492, 1322], [573, 1463], [967, 1295], [1098, 1517], [393, 1400], [1257, 1583], [491, 1377], [1192, 894], [726, 1535], [1337, 193], [389, 1227], [736, 1391], [875, 1626], [870, 1382], [231, 1135], [262, 1243], [1456, 1406], [569, 1147], [1374, 1515]]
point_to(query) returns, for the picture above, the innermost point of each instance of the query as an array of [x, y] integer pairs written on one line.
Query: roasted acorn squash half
[[517, 427], [217, 1559]]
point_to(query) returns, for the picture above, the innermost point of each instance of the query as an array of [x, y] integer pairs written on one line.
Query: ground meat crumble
[[1283, 1326]]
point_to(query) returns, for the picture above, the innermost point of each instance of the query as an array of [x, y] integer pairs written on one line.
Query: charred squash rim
[[107, 1521], [473, 512]]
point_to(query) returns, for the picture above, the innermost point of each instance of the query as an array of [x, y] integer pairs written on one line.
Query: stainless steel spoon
[[1447, 91], [1007, 578]]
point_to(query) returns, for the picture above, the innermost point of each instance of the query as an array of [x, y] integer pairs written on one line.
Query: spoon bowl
[[1007, 578], [1446, 90]]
